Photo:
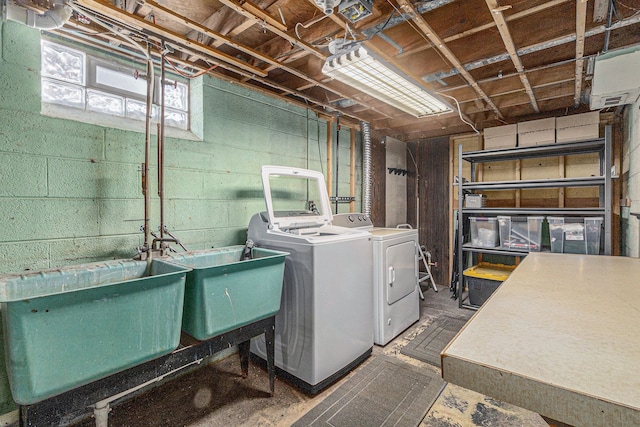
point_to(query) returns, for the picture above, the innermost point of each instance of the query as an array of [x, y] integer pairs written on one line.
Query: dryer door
[[401, 269]]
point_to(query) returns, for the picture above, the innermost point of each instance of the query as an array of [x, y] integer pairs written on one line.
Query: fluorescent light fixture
[[361, 69]]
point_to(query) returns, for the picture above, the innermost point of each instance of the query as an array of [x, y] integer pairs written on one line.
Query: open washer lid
[[293, 189]]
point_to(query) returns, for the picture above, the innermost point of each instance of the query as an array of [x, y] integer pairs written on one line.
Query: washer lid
[[295, 198]]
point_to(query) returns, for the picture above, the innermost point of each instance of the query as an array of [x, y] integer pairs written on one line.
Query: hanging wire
[[460, 113]]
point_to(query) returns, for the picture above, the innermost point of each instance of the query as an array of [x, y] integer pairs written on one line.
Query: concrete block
[[31, 133], [193, 240], [22, 176], [226, 186], [122, 216], [42, 219], [200, 214], [196, 106], [183, 183], [189, 154], [126, 146], [249, 111], [17, 257], [85, 250], [228, 236], [74, 178], [288, 122], [241, 211], [21, 45], [19, 87], [285, 143]]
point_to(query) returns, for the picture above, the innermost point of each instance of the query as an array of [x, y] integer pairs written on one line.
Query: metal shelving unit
[[602, 146]]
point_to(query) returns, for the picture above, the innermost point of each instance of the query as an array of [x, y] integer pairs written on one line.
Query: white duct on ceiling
[[616, 80], [49, 20]]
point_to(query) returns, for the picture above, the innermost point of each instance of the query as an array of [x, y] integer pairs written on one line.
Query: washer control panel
[[352, 220]]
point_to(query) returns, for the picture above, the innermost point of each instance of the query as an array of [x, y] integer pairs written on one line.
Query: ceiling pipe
[[51, 19]]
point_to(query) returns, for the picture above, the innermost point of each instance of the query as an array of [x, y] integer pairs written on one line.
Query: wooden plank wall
[[432, 159], [378, 178]]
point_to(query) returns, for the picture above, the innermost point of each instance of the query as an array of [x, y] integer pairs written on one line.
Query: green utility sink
[[67, 327], [223, 293]]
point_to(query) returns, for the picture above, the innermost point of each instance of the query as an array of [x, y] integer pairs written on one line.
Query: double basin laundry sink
[[66, 327]]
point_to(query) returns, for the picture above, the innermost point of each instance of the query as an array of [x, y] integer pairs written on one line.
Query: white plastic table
[[560, 337]]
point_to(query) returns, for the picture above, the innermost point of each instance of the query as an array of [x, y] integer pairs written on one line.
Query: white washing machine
[[325, 324], [395, 276]]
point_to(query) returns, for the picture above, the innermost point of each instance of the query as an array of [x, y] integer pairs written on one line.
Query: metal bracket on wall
[[342, 199]]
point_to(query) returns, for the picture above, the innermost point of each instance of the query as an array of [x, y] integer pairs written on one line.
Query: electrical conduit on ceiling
[[51, 19]]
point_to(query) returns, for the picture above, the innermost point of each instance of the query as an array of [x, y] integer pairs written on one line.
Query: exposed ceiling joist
[[513, 17], [537, 47], [110, 10], [442, 47], [600, 9], [501, 23], [276, 29], [581, 22]]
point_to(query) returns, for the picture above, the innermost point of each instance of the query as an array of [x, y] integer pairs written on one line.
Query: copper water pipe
[[161, 144], [147, 149]]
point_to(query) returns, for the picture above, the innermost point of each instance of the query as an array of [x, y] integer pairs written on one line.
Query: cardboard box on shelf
[[537, 132], [578, 127], [500, 137]]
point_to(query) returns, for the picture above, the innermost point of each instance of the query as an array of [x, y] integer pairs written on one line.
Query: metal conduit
[[365, 128]]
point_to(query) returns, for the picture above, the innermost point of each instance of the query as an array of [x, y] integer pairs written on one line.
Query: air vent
[[615, 100]]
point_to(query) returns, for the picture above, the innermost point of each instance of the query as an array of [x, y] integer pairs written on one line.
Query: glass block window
[[74, 79]]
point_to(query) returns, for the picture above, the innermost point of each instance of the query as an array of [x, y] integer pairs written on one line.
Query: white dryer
[[395, 276], [325, 324]]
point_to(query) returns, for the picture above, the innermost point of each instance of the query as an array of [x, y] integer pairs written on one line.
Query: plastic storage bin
[[520, 233], [65, 328], [483, 279], [575, 235], [484, 232], [223, 293], [475, 201]]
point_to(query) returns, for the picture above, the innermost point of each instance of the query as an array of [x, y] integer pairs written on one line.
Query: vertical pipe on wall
[[161, 145], [147, 150], [366, 167], [337, 160], [329, 159], [352, 171]]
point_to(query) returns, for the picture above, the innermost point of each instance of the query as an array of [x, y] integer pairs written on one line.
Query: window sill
[[122, 123]]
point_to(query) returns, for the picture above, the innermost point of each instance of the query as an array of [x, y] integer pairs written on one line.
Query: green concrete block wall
[[70, 192]]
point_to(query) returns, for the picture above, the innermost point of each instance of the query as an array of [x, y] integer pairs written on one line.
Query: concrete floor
[[217, 395]]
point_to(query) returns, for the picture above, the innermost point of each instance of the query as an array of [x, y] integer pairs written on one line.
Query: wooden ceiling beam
[[215, 18], [276, 29], [211, 33], [205, 49], [501, 23], [108, 9], [488, 26], [442, 47], [581, 22]]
